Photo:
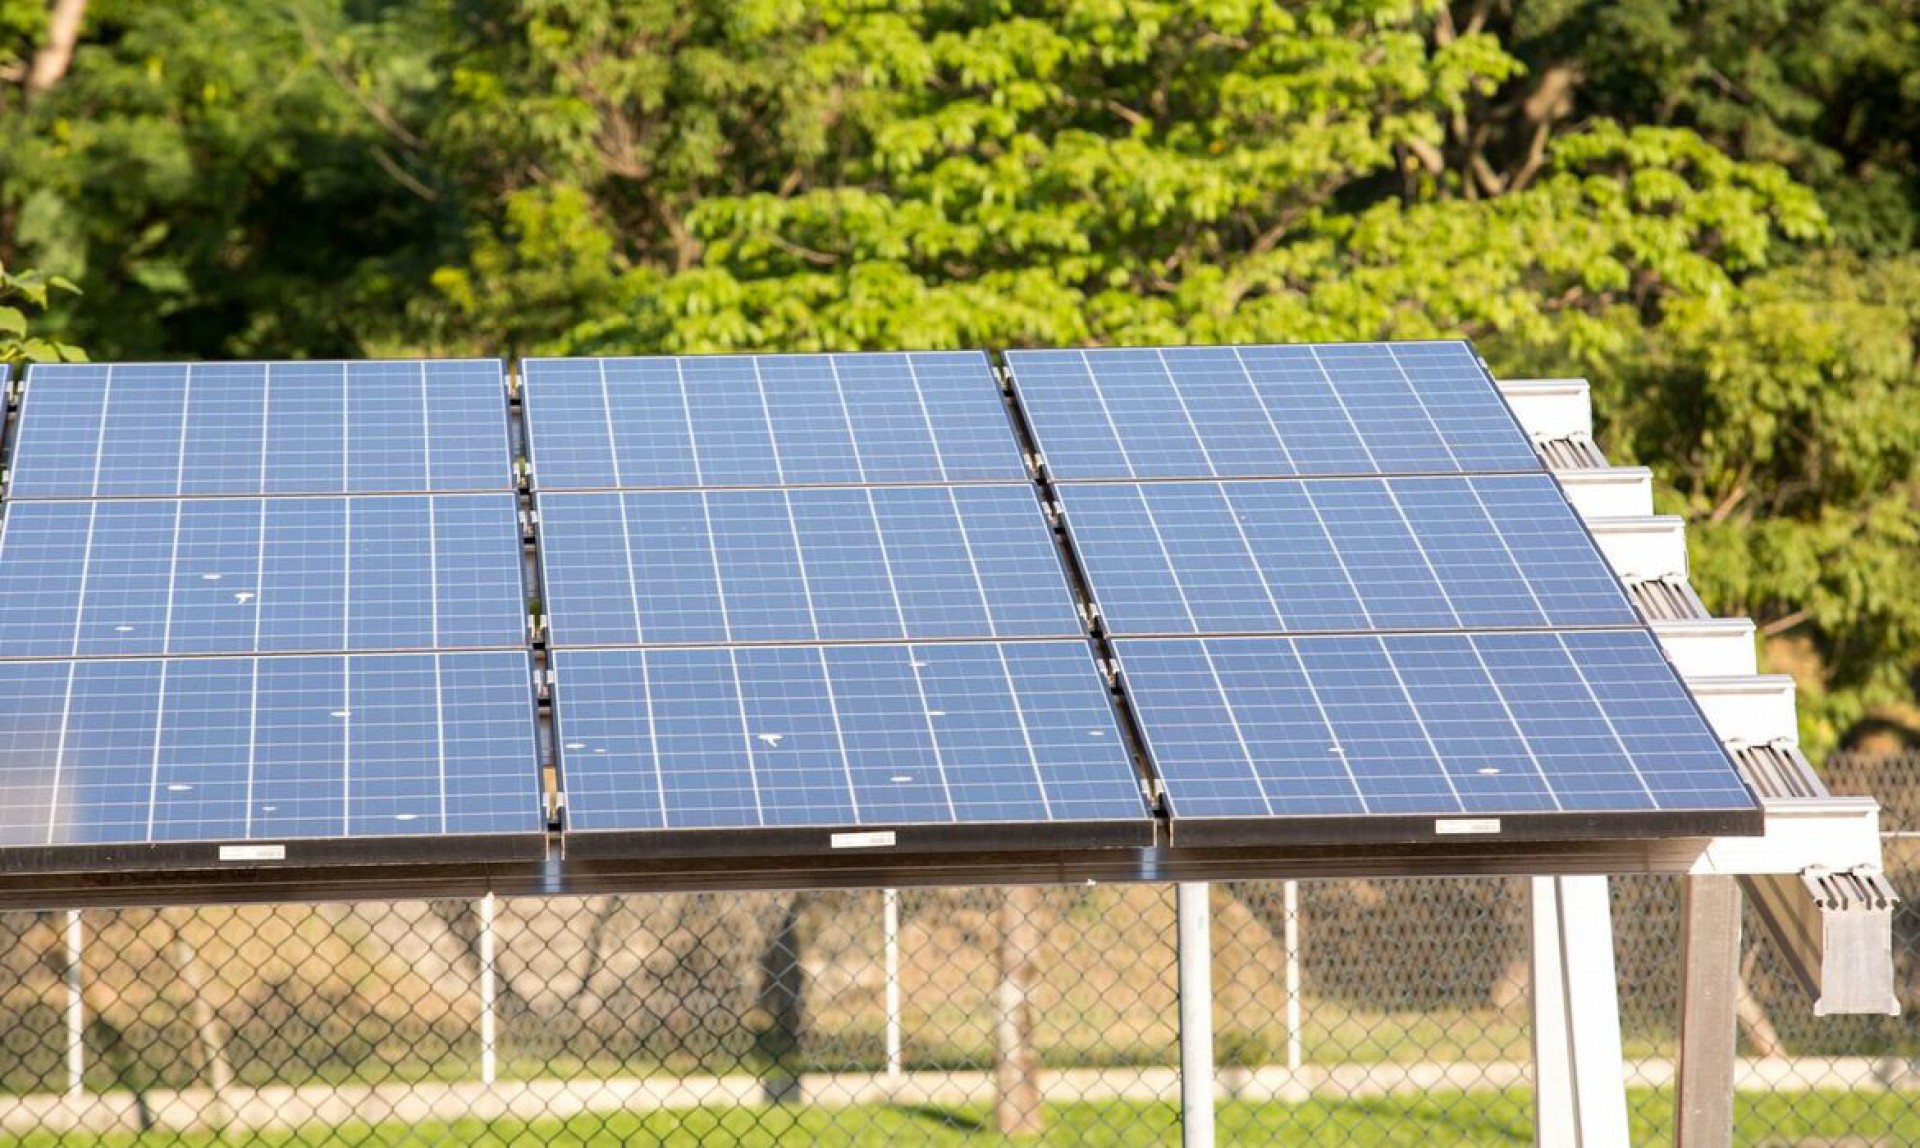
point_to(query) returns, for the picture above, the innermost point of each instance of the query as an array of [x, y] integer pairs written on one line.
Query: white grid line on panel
[[1333, 389], [746, 736], [1119, 440], [86, 570], [1326, 720], [926, 416], [886, 565], [1340, 559], [60, 754], [914, 665], [1253, 558], [159, 733], [1600, 708], [346, 746], [1026, 735], [1526, 743], [253, 739], [846, 413], [1500, 534], [800, 563], [645, 662], [839, 734], [1422, 404], [1199, 439], [973, 563], [1419, 721], [1420, 548], [1266, 411], [100, 437], [1239, 735]]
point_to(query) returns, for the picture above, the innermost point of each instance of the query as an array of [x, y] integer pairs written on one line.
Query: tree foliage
[[21, 294], [1709, 208]]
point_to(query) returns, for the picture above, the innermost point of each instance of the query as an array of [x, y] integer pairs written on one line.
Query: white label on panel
[[1467, 825], [878, 840], [253, 853]]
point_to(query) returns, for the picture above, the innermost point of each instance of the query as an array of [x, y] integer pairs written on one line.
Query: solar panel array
[[207, 574], [763, 512], [813, 603], [1268, 628]]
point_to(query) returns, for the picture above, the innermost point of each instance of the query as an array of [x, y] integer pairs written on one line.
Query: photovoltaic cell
[[783, 737], [249, 575], [104, 430], [1246, 412], [801, 565], [1340, 554], [1477, 724], [203, 750], [768, 420]]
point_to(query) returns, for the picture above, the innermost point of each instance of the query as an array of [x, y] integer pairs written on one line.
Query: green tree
[[23, 292], [228, 179]]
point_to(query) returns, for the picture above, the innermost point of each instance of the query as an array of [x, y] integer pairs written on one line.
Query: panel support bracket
[[1834, 930]]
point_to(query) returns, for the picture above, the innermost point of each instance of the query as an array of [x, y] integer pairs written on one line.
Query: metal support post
[[1580, 1096], [1709, 1003], [891, 901], [1196, 1014], [488, 1062], [76, 1011]]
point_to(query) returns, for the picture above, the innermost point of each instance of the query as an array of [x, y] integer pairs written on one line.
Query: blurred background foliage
[[1709, 207]]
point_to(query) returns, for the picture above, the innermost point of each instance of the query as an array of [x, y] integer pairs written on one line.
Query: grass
[[1438, 1120]]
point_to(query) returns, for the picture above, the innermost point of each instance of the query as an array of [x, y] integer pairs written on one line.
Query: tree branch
[[50, 63]]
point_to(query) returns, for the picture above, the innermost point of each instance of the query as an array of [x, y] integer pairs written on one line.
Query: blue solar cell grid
[[1340, 554], [1439, 724], [128, 751], [767, 420], [103, 431], [249, 575], [822, 736], [798, 565], [1242, 412]]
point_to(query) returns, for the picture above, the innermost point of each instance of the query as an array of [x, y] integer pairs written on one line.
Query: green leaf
[[12, 322]]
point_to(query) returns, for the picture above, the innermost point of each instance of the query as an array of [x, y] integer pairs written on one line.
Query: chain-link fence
[[1357, 1011]]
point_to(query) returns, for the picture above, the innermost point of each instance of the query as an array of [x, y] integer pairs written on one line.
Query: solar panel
[[922, 740], [1310, 737], [104, 430], [1243, 412], [768, 420], [1339, 554], [249, 575], [181, 755], [801, 565]]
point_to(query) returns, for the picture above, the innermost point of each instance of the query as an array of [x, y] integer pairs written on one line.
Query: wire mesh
[[1385, 1011]]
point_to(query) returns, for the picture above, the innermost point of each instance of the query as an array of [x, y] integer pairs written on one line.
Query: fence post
[[76, 1011], [891, 901], [1195, 958], [488, 1062], [1291, 892], [1017, 1071]]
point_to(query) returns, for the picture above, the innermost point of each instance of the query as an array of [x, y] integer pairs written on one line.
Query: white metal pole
[[892, 917], [488, 1063], [1291, 891], [76, 1010], [1196, 1014]]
